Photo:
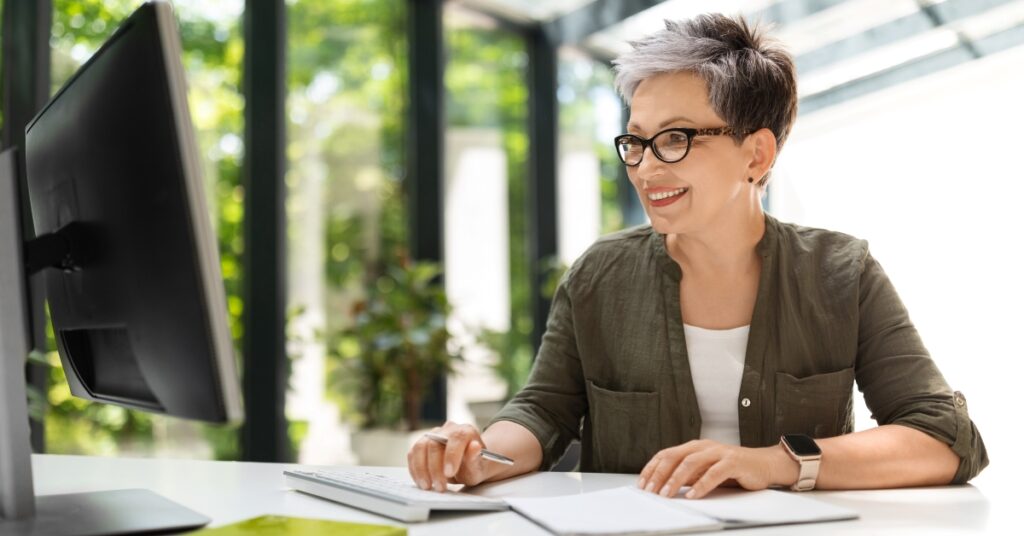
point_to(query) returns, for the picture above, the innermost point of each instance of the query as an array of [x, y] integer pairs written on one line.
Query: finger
[[458, 440], [689, 470], [652, 477], [664, 470], [472, 471], [648, 470], [661, 467], [435, 466], [670, 460], [713, 477], [417, 458]]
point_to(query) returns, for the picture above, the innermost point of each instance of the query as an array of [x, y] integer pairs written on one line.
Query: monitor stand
[[22, 513], [96, 513]]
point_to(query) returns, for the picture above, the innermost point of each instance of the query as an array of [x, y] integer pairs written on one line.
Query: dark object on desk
[[132, 272]]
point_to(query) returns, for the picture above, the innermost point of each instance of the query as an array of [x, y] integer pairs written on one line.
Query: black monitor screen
[[141, 320]]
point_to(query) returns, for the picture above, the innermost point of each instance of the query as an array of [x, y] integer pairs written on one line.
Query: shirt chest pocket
[[820, 405], [625, 427]]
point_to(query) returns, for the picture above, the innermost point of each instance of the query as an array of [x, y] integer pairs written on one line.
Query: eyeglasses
[[670, 145]]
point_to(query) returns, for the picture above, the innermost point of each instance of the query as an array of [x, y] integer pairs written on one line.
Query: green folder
[[296, 526]]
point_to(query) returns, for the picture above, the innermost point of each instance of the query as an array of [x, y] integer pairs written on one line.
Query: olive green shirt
[[612, 370]]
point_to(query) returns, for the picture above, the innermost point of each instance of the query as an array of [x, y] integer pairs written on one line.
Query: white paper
[[765, 507], [627, 510], [624, 510]]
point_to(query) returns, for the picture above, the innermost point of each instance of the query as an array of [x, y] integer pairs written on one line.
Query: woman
[[685, 349]]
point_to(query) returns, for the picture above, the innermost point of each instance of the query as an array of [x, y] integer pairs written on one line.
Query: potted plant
[[390, 355]]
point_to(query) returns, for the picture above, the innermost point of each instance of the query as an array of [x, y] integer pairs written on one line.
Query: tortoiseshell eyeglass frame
[[649, 142]]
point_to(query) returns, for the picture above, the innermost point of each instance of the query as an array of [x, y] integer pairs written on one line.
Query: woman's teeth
[[665, 195]]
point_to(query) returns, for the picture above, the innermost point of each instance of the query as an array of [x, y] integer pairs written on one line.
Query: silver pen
[[485, 454]]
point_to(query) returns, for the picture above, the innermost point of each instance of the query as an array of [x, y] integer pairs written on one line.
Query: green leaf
[[38, 358]]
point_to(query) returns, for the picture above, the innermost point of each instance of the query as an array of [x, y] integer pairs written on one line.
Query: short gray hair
[[751, 79]]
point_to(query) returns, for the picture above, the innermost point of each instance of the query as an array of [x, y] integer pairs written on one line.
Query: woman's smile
[[661, 197]]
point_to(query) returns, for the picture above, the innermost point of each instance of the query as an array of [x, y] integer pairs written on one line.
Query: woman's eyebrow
[[636, 128]]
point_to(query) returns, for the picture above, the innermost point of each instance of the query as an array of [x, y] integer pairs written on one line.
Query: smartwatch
[[805, 451]]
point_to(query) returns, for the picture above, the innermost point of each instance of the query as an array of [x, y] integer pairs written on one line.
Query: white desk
[[232, 491]]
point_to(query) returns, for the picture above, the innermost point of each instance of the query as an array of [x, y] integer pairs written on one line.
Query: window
[[486, 262], [347, 87], [590, 116]]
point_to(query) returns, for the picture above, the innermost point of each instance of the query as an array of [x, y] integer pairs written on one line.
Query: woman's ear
[[763, 150]]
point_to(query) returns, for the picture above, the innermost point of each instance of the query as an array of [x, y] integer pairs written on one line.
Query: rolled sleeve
[[901, 383], [554, 400]]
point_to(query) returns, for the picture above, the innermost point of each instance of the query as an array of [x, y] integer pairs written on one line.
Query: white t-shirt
[[716, 365]]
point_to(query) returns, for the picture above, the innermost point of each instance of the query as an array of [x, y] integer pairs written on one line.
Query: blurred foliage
[[398, 343], [347, 105], [515, 361]]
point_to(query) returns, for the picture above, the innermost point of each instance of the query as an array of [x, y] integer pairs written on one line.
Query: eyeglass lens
[[669, 146]]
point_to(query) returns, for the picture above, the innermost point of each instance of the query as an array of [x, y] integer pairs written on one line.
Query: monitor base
[[126, 511]]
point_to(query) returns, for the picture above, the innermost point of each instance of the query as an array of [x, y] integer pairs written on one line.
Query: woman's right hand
[[433, 465]]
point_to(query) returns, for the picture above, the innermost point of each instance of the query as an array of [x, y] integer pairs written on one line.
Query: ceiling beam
[[932, 63], [576, 26], [897, 30], [789, 11]]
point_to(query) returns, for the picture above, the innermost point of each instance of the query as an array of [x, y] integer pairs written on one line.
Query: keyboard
[[383, 495]]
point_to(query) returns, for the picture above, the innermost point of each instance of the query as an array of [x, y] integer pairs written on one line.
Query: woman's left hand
[[704, 465]]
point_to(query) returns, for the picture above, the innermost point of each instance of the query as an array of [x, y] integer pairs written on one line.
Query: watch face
[[802, 445]]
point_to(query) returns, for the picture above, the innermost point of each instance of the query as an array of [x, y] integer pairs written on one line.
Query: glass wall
[[346, 106], [213, 48], [590, 116], [486, 263]]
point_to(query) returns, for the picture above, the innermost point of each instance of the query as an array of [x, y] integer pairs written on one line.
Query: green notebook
[[296, 526]]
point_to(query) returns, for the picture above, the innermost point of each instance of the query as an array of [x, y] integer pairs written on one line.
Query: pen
[[485, 454]]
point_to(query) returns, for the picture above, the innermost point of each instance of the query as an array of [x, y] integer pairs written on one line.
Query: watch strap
[[808, 473]]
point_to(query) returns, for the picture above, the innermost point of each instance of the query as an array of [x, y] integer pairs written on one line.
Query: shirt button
[[745, 402], [959, 399]]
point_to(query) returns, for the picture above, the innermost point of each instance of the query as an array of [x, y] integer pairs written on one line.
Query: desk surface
[[233, 491]]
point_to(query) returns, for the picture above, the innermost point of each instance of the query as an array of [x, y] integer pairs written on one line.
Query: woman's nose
[[647, 161]]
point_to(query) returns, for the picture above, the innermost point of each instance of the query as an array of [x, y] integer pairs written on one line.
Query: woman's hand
[[704, 465], [433, 465]]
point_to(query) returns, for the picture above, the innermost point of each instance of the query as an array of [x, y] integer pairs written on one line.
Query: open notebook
[[628, 510]]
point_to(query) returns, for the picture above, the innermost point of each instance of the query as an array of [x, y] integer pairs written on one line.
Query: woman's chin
[[668, 225]]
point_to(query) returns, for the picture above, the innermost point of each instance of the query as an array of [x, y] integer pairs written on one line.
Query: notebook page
[[623, 510], [765, 507]]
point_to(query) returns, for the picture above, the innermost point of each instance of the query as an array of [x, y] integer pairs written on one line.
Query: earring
[[750, 180]]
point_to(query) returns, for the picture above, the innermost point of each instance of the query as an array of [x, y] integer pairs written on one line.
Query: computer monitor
[[132, 272]]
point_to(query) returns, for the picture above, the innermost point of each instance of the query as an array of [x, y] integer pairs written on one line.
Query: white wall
[[579, 199], [930, 173]]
